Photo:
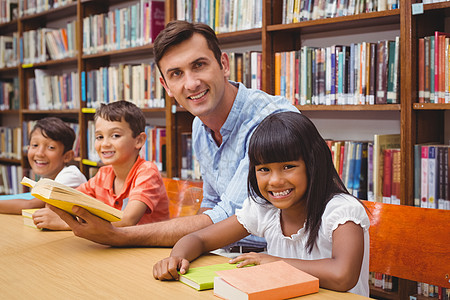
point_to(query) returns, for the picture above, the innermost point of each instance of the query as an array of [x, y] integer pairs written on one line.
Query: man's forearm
[[160, 234]]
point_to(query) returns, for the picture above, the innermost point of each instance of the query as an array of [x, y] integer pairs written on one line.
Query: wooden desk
[[57, 265]]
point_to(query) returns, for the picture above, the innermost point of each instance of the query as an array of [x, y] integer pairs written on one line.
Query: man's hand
[[253, 258], [88, 226], [46, 218], [167, 269]]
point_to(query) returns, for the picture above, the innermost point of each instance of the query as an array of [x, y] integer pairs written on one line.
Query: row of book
[[246, 68], [9, 94], [222, 16], [10, 177], [369, 169], [190, 168], [27, 126], [153, 150], [31, 7], [52, 91], [431, 291], [383, 281], [10, 142], [120, 28], [304, 10], [362, 73], [431, 178], [8, 50], [8, 10], [136, 83], [433, 65], [42, 44]]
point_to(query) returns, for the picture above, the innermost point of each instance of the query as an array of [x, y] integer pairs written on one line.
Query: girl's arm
[[132, 214], [195, 244], [15, 206], [340, 272]]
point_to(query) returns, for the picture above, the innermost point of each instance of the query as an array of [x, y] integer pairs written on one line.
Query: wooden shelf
[[10, 161], [431, 106], [50, 112], [378, 107], [52, 63], [63, 12], [338, 23]]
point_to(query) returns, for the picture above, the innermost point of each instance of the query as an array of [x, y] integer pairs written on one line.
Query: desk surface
[[38, 264]]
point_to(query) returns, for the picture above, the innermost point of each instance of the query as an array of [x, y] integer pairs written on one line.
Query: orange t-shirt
[[143, 183]]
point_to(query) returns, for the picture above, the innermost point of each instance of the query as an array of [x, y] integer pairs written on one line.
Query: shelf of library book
[[431, 106], [53, 112], [345, 22], [376, 107], [11, 70]]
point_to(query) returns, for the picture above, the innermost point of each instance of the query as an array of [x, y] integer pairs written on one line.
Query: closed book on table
[[202, 278], [275, 280]]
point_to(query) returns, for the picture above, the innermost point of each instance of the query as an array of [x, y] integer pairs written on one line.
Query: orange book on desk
[[275, 280]]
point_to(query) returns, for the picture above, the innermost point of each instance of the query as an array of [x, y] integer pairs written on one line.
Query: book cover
[[202, 278], [432, 177], [381, 142], [424, 177], [275, 280], [421, 74], [387, 175], [382, 62], [396, 177], [417, 171], [65, 198]]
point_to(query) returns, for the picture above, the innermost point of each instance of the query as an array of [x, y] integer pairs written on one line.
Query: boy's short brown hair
[[128, 111], [57, 130], [179, 31]]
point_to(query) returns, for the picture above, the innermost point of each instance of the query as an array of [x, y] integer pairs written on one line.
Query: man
[[195, 71]]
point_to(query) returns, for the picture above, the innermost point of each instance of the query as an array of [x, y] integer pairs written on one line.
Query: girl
[[298, 204]]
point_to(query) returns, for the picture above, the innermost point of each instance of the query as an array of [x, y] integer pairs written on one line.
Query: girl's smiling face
[[283, 184]]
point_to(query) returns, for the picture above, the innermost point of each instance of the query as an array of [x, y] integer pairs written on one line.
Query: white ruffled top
[[264, 221]]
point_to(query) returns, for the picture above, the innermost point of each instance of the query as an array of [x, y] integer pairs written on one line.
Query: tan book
[[275, 280], [65, 198]]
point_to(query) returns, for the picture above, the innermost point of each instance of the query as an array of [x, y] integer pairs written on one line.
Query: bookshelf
[[416, 122]]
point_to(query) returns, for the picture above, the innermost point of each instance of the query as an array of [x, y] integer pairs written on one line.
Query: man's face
[[194, 77]]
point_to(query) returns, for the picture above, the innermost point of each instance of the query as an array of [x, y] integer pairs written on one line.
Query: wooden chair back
[[185, 196], [410, 242]]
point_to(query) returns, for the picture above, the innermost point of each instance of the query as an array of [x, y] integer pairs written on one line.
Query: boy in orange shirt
[[127, 182]]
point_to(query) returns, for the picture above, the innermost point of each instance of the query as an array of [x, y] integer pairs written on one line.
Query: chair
[[185, 197], [411, 243]]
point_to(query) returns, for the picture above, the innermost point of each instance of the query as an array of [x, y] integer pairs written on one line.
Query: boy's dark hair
[[116, 111], [179, 31], [289, 136], [57, 130]]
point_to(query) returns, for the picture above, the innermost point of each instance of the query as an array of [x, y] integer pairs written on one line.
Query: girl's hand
[[167, 268], [253, 258]]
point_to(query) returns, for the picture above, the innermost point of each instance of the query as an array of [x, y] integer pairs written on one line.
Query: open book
[[65, 198]]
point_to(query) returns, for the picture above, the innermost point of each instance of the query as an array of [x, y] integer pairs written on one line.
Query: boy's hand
[[88, 226], [167, 269], [253, 258]]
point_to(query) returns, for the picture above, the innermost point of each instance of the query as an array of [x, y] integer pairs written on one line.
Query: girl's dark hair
[[55, 129], [128, 111], [289, 136], [178, 31]]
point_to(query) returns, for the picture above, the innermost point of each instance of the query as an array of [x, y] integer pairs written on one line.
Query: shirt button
[[116, 202]]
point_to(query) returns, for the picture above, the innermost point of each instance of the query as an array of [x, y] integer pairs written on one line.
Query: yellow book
[[65, 198], [27, 215]]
